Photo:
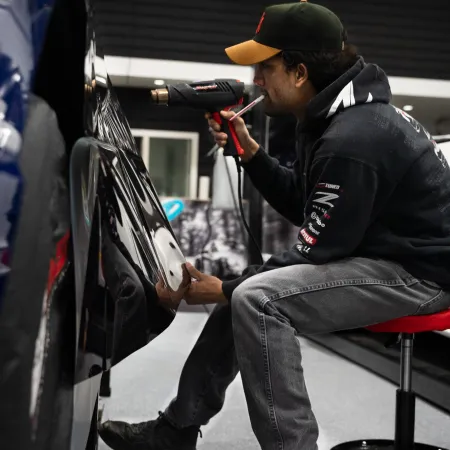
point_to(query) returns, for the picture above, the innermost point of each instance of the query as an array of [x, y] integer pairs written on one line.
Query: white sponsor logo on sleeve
[[313, 230], [326, 198], [329, 186], [303, 248], [317, 219]]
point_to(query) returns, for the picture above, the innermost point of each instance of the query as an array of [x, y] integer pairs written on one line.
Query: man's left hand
[[204, 290]]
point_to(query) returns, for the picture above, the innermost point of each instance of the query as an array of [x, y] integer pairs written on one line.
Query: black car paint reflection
[[116, 214], [89, 300], [81, 296]]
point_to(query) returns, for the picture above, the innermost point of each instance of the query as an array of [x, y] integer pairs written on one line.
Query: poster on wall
[[210, 238], [215, 240]]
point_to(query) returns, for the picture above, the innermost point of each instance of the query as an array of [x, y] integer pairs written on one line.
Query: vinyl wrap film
[[114, 202]]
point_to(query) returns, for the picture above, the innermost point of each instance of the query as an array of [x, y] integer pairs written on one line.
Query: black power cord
[[235, 204], [208, 238], [241, 209]]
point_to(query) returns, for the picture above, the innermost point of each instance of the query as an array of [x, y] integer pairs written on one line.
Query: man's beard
[[274, 114], [271, 110]]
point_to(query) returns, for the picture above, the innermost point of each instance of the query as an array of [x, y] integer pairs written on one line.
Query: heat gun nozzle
[[160, 96]]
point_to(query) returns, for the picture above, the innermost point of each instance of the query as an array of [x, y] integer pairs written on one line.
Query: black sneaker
[[156, 434]]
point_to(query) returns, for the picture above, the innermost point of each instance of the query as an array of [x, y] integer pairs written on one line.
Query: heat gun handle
[[233, 146]]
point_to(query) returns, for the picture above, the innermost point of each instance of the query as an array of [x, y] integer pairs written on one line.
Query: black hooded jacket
[[369, 181]]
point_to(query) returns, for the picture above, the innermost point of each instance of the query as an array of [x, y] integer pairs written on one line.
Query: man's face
[[282, 88]]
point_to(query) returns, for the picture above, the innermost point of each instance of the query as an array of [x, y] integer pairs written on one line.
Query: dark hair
[[323, 67]]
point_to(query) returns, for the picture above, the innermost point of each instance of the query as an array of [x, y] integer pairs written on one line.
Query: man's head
[[298, 50]]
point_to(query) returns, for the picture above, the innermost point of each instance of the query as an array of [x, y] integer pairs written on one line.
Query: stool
[[406, 398]]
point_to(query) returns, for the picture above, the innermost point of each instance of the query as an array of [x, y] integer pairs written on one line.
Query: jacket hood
[[362, 83]]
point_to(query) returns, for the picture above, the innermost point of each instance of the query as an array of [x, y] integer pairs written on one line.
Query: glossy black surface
[[122, 241], [63, 327]]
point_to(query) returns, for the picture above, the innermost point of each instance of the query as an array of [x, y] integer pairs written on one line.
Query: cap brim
[[250, 52]]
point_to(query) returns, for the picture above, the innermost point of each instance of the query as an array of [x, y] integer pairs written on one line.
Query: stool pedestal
[[404, 411]]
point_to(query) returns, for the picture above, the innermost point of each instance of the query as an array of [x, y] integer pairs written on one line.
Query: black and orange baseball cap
[[300, 26]]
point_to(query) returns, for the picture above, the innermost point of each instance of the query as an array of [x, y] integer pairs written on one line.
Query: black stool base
[[379, 444]]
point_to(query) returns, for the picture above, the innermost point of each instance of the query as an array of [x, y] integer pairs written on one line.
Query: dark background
[[406, 38]]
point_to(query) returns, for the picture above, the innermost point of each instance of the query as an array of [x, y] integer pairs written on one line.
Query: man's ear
[[301, 74]]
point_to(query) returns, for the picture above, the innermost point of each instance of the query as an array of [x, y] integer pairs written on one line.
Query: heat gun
[[212, 96]]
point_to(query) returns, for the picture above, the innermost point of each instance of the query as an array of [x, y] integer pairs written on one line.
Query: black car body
[[91, 241]]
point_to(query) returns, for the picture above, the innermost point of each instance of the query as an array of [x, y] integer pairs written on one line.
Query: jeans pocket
[[438, 303], [431, 284]]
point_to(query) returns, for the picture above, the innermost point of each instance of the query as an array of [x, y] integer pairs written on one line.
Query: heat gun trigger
[[233, 147]]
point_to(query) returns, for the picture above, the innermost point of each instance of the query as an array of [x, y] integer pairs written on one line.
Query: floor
[[349, 402]]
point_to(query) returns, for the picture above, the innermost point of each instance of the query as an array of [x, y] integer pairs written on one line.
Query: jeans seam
[[205, 387], [430, 302], [334, 284], [268, 381]]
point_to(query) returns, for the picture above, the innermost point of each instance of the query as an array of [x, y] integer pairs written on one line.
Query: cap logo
[[260, 23]]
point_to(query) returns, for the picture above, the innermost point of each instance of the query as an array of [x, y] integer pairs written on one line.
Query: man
[[370, 191]]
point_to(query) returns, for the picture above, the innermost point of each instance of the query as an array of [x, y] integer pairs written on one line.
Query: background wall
[[405, 37]]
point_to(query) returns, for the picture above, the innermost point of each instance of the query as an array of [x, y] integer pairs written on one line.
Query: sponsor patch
[[316, 217], [303, 248], [307, 237], [328, 186], [313, 230]]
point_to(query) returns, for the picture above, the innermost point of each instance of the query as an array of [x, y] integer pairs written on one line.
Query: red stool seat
[[406, 327], [414, 324]]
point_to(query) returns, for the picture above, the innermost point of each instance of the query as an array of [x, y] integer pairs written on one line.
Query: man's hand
[[249, 145], [169, 298], [205, 289]]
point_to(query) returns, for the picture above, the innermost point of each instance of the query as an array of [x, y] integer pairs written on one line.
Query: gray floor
[[349, 402]]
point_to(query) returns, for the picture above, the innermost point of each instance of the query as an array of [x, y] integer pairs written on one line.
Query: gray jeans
[[257, 335]]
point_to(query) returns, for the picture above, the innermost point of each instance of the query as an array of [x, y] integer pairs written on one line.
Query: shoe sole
[[114, 445]]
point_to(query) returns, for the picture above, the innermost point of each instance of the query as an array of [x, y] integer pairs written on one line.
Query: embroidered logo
[[346, 98], [258, 29]]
